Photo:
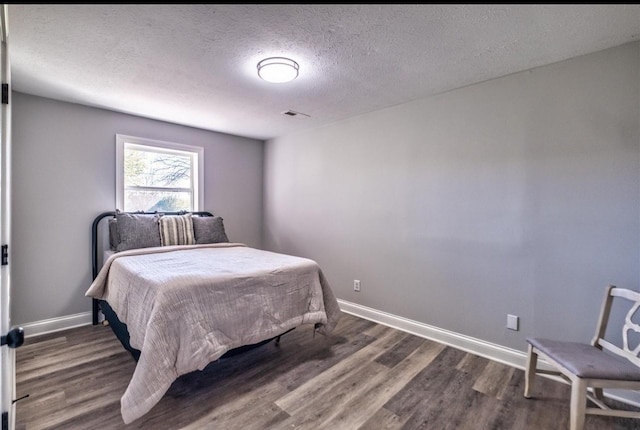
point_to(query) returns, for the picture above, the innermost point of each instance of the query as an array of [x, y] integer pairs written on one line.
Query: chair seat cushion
[[587, 361]]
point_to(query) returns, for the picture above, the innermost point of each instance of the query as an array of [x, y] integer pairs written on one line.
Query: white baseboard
[[56, 324], [482, 348], [492, 351]]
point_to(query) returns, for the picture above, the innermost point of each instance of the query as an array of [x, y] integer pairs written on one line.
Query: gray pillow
[[113, 234], [209, 229], [137, 231]]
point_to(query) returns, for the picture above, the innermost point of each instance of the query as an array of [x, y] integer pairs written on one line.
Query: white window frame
[[197, 178]]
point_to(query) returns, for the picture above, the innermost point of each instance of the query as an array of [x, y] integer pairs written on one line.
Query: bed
[[194, 297]]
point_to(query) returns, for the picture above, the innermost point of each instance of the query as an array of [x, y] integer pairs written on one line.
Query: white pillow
[[176, 230]]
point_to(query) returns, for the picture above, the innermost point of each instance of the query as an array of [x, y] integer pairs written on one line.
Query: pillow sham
[[209, 229], [137, 230], [176, 230], [113, 234]]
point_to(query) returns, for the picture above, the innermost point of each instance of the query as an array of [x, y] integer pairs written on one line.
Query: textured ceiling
[[196, 64]]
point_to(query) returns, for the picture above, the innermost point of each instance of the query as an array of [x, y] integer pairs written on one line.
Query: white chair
[[597, 365]]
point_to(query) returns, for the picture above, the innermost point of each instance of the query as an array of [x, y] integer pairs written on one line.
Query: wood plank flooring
[[363, 376]]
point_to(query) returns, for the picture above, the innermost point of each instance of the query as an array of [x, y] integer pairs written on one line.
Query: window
[[152, 175]]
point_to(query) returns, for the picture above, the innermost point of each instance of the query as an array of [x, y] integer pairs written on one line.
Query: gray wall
[[64, 175], [518, 195]]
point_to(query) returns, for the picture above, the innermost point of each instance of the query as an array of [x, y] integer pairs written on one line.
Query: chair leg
[[578, 404], [530, 372]]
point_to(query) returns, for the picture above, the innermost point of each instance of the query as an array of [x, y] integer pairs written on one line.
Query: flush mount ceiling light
[[278, 70]]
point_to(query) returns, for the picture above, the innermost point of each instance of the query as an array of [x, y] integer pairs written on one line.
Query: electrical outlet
[[512, 322], [356, 285]]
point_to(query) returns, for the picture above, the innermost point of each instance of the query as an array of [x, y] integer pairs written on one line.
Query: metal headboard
[[94, 244]]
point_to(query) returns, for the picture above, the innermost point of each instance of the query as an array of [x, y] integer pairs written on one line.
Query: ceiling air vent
[[296, 114]]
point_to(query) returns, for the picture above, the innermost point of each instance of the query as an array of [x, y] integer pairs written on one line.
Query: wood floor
[[364, 376]]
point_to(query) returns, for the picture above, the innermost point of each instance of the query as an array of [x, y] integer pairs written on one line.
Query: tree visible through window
[[156, 176]]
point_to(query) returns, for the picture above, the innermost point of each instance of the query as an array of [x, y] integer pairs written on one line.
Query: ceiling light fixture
[[278, 70]]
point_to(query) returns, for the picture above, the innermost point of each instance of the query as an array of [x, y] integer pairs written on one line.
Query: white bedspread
[[185, 306]]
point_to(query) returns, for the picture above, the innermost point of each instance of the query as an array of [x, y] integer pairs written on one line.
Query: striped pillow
[[176, 230]]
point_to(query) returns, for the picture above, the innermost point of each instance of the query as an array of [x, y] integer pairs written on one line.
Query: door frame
[[7, 355]]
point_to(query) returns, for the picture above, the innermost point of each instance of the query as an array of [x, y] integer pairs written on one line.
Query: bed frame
[[118, 327]]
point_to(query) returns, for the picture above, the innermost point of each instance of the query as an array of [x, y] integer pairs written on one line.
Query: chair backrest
[[629, 325]]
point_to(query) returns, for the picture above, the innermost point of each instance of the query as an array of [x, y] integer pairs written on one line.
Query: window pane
[[161, 201], [157, 175], [156, 169]]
